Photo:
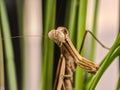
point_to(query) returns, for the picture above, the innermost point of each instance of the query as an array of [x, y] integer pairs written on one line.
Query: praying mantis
[[68, 60]]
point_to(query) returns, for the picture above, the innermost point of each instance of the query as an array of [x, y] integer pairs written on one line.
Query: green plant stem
[[72, 20], [1, 65], [118, 83], [94, 26], [92, 40], [114, 52], [20, 8], [80, 33], [10, 66], [49, 23]]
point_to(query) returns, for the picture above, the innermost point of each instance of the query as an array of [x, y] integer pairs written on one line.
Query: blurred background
[[28, 59]]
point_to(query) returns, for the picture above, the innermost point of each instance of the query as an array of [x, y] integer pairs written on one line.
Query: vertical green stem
[[20, 7], [118, 83], [1, 65], [72, 23], [94, 26], [10, 66], [49, 23], [80, 33]]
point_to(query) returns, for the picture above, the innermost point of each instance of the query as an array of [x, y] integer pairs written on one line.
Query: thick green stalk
[[9, 55], [80, 33], [49, 23], [72, 22]]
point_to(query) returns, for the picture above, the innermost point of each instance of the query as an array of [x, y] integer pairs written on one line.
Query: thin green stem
[[9, 55], [118, 83], [81, 25], [94, 26], [1, 65]]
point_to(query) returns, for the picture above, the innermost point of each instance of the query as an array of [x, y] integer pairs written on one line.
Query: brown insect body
[[71, 57]]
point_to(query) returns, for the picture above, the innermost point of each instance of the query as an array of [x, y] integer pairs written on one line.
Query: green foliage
[[75, 21]]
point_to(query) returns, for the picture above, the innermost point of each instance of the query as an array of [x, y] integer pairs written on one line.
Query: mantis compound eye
[[63, 30]]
